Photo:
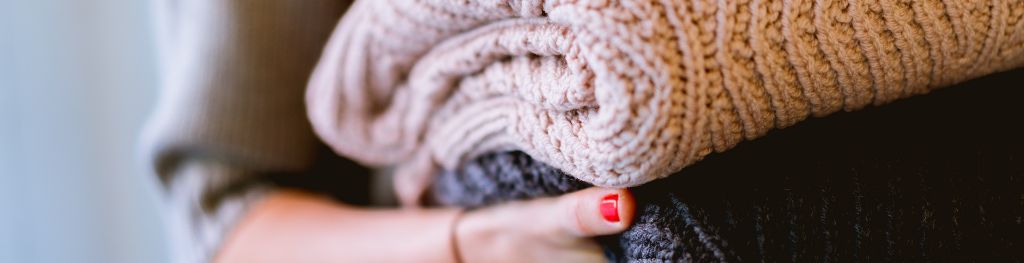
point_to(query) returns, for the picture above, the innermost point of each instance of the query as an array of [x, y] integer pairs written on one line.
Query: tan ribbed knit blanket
[[618, 93]]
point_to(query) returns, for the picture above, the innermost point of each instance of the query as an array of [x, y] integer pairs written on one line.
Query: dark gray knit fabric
[[500, 177], [935, 178]]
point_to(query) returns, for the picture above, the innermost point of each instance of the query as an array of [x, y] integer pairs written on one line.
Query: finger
[[595, 212]]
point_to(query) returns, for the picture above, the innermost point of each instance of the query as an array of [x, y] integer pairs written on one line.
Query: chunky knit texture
[[618, 93], [878, 212], [938, 178]]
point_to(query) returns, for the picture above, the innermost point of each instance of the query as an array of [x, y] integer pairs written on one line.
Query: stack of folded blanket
[[619, 93], [917, 181]]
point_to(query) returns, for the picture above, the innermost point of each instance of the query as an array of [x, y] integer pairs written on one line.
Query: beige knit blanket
[[618, 93]]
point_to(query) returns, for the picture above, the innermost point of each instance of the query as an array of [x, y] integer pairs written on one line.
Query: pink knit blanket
[[618, 93]]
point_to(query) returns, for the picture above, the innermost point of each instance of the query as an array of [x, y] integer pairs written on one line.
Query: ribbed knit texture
[[231, 110], [618, 93], [233, 75], [937, 178], [203, 202]]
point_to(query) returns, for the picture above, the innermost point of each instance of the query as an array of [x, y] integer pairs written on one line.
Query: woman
[[231, 119], [868, 187]]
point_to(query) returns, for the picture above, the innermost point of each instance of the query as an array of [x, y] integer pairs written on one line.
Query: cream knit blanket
[[618, 93]]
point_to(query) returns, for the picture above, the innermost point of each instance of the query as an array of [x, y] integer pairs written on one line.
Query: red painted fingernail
[[610, 208]]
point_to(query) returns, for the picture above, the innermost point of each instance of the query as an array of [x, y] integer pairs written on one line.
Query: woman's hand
[[291, 226], [555, 229]]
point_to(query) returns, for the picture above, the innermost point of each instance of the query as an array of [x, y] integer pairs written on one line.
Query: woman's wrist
[[298, 227], [292, 226], [454, 237]]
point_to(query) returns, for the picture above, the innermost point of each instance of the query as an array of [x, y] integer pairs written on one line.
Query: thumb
[[594, 212]]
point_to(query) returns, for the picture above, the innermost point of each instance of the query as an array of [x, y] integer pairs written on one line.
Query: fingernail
[[610, 208]]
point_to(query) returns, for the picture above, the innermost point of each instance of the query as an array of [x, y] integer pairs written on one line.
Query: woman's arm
[[292, 226], [232, 111], [298, 227]]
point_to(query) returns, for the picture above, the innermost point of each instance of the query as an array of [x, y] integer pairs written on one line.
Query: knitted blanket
[[896, 183], [618, 93]]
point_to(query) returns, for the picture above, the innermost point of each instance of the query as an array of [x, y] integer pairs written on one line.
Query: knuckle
[[573, 221]]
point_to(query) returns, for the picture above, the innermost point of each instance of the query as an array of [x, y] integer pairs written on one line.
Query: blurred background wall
[[77, 78]]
